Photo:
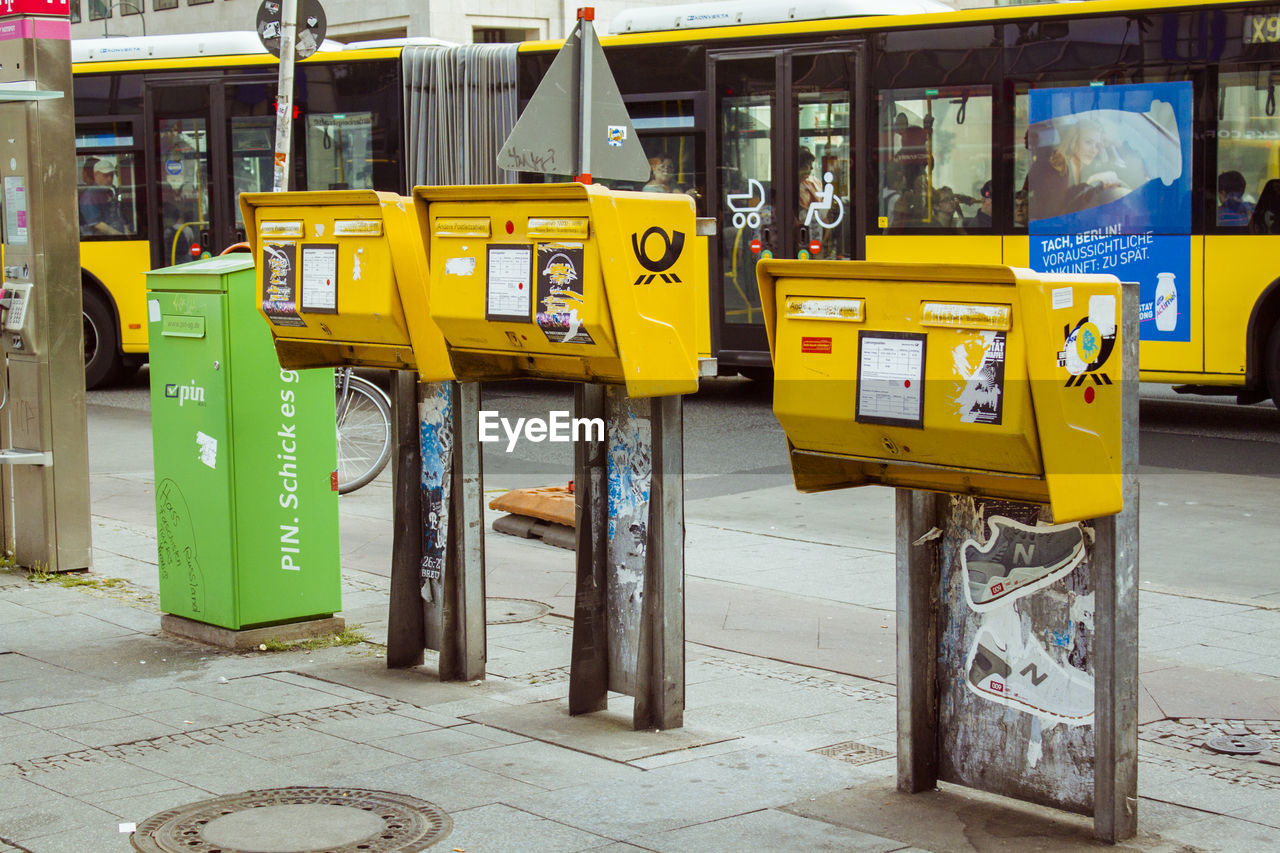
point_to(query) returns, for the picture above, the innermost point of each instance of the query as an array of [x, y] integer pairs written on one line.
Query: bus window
[[745, 108], [673, 166], [109, 190], [340, 151], [108, 194], [935, 158], [820, 88], [252, 155], [1248, 142], [183, 165]]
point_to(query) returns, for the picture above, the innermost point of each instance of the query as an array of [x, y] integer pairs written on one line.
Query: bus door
[[207, 143], [782, 178]]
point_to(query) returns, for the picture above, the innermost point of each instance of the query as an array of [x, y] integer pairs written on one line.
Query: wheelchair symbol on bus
[[744, 212], [824, 204]]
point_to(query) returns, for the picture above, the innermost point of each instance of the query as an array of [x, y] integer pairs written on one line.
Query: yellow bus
[[1082, 137], [169, 129]]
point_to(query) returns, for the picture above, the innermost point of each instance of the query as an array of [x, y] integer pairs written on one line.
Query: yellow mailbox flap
[[971, 379], [566, 281], [344, 280]]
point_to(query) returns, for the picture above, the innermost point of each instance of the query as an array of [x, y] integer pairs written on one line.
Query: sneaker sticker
[[1026, 678], [1017, 560]]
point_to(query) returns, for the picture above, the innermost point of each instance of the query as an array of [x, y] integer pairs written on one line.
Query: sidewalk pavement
[[789, 731]]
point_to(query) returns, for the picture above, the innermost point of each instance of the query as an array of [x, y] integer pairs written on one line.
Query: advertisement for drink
[[1109, 190]]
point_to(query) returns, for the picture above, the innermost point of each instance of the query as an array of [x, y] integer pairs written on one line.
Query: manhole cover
[[854, 752], [505, 611], [296, 820], [1233, 745]]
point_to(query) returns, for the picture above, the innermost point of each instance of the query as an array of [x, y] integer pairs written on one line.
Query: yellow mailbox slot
[[568, 281], [343, 280], [967, 379]]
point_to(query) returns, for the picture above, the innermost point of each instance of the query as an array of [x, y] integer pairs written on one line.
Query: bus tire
[[1271, 364], [102, 358]]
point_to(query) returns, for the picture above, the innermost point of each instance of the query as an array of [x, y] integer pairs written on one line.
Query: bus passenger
[[1266, 213], [662, 176], [1233, 210], [982, 219], [99, 210], [946, 209]]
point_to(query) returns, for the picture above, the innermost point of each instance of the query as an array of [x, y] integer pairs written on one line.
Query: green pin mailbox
[[246, 508]]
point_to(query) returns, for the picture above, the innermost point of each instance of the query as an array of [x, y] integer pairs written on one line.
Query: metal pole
[[284, 93], [659, 687], [589, 663], [585, 29], [1115, 799], [406, 631], [917, 630]]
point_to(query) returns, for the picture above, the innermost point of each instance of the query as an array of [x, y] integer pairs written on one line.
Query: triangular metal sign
[[547, 137]]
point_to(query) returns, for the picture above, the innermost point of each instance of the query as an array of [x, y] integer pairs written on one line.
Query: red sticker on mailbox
[[815, 345], [756, 246], [815, 247]]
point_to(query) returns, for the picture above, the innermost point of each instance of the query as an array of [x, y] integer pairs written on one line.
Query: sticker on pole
[[312, 26]]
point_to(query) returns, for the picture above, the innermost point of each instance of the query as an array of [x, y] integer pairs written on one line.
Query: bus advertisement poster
[[1110, 192]]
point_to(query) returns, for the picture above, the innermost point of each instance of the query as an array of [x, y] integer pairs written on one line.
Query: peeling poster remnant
[[435, 422], [979, 362]]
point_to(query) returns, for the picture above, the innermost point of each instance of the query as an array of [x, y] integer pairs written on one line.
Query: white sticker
[[153, 310], [460, 266], [1102, 313], [128, 827], [1063, 297], [208, 449]]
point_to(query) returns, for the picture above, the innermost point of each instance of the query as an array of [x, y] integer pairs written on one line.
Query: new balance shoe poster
[[1109, 191], [1015, 670]]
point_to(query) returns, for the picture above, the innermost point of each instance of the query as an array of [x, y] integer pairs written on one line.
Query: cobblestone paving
[[801, 678], [211, 735], [1191, 733]]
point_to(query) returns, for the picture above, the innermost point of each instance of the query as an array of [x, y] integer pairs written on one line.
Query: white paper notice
[[153, 310], [1062, 298], [319, 278], [509, 288], [208, 449], [891, 378], [15, 210]]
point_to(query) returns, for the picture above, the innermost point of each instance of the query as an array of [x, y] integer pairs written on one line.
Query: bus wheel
[[1271, 364], [101, 355]]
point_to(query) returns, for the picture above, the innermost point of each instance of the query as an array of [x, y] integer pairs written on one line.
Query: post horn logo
[[672, 245]]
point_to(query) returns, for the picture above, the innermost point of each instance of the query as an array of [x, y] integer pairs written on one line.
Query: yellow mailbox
[[568, 281], [343, 280], [966, 379]]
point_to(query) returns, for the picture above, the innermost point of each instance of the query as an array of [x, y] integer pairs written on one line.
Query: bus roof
[[177, 46], [745, 12], [414, 41]]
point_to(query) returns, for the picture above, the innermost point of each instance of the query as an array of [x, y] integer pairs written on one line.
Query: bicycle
[[364, 430]]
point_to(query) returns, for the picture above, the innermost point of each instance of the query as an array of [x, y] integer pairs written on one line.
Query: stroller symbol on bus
[[745, 213]]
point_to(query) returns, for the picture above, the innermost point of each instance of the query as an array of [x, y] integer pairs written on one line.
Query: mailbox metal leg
[[462, 644], [1115, 804], [917, 630], [406, 630], [629, 611], [660, 671], [437, 582], [589, 665]]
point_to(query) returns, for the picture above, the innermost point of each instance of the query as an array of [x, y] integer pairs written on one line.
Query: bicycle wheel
[[364, 434]]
